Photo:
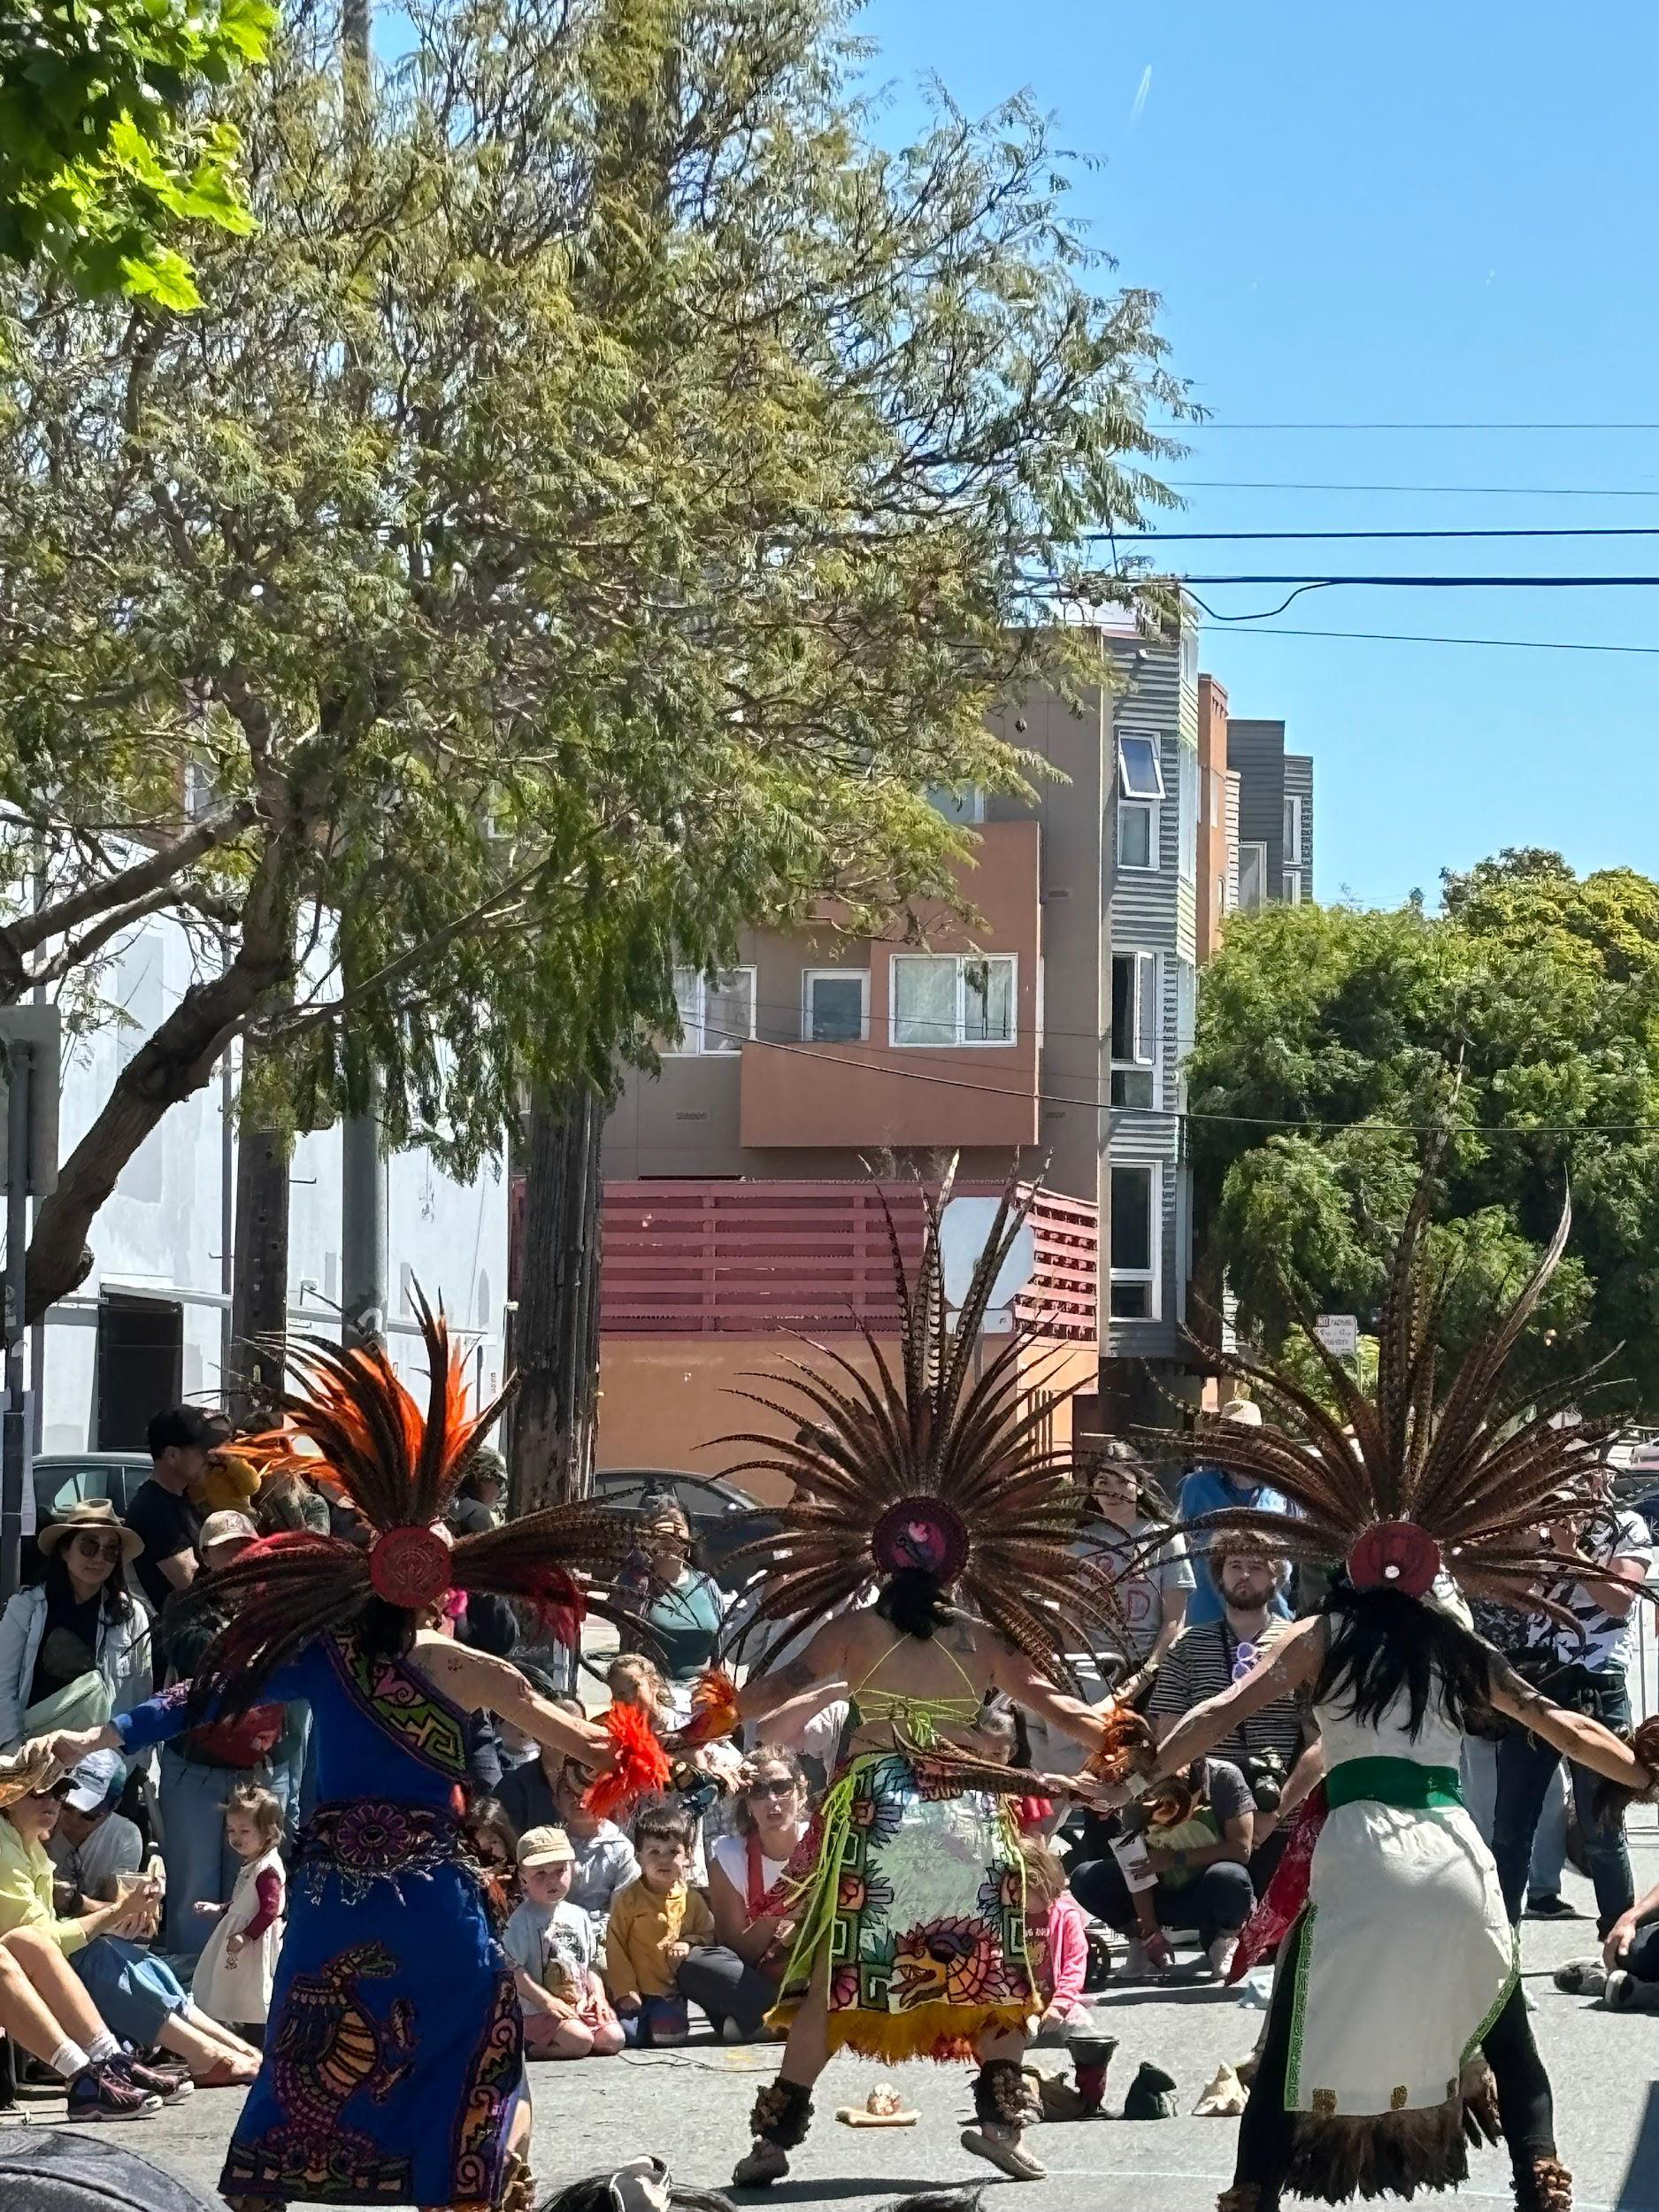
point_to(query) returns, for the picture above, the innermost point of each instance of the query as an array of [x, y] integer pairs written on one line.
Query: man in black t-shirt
[[160, 1511], [1192, 1875]]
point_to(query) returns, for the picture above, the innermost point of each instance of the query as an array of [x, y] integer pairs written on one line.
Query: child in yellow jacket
[[655, 1924]]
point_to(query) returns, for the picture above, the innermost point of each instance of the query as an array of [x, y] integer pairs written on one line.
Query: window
[[1140, 772], [957, 802], [835, 1006], [1252, 876], [954, 1000], [1292, 832], [1189, 653], [1137, 834], [1134, 1028], [1221, 894], [1185, 1007], [1218, 803], [715, 1016], [1134, 1243], [1187, 761], [1293, 886]]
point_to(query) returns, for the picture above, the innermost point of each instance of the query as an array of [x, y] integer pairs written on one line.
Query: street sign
[[964, 1230], [1339, 1333], [35, 1026]]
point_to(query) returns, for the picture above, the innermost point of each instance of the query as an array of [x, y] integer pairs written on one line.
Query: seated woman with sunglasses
[[137, 1994], [736, 1981], [74, 1648]]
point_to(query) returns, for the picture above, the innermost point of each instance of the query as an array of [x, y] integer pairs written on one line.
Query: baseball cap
[[1243, 1412], [47, 2171], [228, 1527], [96, 1782], [544, 1847], [187, 1426]]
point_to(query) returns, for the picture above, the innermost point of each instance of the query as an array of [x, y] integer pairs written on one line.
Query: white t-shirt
[[1600, 1639], [114, 1847], [731, 1855]]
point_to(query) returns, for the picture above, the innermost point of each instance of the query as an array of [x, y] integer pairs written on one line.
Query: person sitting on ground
[[656, 1925], [603, 1859], [94, 1843], [553, 1948], [529, 1785], [1625, 1976], [495, 1843], [136, 1993], [735, 1980], [1275, 1749], [1192, 1872]]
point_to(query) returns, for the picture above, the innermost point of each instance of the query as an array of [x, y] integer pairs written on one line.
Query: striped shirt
[[1204, 1661]]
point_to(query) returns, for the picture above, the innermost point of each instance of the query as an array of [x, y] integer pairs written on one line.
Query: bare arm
[[1575, 1735], [820, 1667], [482, 1684], [1013, 1673], [1631, 1575], [181, 1570], [1292, 1664], [1174, 1621]]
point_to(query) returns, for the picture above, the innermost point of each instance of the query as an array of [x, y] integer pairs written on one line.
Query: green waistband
[[1401, 1782]]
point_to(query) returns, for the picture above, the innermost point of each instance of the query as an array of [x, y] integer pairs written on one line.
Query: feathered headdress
[[934, 1468], [1424, 1477], [400, 1464]]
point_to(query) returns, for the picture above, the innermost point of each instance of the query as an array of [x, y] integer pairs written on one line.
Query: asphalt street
[[689, 2107]]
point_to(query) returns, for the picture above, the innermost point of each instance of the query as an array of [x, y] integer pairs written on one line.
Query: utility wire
[[1296, 537], [1443, 583], [1249, 627], [1195, 428], [1436, 491]]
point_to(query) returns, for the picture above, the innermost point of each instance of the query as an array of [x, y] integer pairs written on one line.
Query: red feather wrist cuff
[[640, 1767], [713, 1710]]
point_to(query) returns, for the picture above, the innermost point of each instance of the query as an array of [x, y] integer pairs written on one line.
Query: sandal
[[228, 2073]]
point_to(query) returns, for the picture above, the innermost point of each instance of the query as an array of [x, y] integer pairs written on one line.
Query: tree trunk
[[556, 1330], [259, 1288]]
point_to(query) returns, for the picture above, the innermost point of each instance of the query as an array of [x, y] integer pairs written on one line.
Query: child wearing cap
[[553, 1947]]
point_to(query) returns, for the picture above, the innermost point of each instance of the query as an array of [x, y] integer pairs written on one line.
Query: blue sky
[[1414, 214]]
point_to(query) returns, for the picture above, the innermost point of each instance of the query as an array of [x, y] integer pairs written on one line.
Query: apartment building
[[1275, 838]]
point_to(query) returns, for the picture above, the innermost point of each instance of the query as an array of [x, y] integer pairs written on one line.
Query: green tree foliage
[[1525, 1018], [107, 147], [598, 497]]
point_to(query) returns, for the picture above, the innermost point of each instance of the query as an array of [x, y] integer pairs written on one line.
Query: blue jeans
[[136, 1993], [1525, 1766], [202, 1868]]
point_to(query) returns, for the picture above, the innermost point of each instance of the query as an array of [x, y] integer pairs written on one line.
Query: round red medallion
[[410, 1567], [923, 1534], [1394, 1555]]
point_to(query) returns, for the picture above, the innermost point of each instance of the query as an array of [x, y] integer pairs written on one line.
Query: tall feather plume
[[1476, 1469], [925, 1424]]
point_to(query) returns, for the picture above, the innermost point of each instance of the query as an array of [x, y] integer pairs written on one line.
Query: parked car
[[721, 1515], [66, 1478]]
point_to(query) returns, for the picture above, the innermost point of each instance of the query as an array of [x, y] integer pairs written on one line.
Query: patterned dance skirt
[[914, 1895], [394, 2054]]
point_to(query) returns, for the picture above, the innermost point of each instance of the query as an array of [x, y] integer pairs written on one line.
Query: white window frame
[[1154, 813], [1293, 826], [693, 1045], [1253, 845], [965, 803], [1144, 1050], [1152, 1276], [960, 1042], [1188, 782], [1292, 887], [1218, 799], [809, 976], [1125, 783]]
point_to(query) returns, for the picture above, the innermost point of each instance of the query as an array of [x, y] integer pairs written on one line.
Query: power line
[[1296, 537], [1197, 428], [1445, 583], [1450, 491], [1249, 628]]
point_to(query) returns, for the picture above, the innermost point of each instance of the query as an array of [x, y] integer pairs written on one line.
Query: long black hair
[[1382, 1642], [113, 1601], [914, 1602]]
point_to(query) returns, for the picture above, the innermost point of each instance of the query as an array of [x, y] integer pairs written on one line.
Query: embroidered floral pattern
[[367, 1840]]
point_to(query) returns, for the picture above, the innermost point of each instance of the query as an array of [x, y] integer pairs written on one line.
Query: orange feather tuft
[[640, 1767]]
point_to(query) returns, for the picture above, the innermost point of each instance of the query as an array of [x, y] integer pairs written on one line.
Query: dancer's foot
[[1546, 2187], [761, 2165], [1004, 2146]]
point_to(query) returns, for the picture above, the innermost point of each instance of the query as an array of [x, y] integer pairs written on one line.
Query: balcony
[[724, 1258]]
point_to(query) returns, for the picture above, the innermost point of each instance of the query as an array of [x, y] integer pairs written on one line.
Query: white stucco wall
[[161, 1235]]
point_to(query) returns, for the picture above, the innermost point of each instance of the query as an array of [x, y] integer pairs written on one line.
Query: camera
[[1265, 1772]]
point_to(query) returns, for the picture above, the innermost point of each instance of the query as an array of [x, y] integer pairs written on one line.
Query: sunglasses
[[771, 1789], [97, 1547]]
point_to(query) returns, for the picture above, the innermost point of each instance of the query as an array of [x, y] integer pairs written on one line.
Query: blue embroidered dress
[[395, 2053]]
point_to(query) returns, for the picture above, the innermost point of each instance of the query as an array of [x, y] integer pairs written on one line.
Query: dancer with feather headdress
[[906, 1898], [394, 2068], [1398, 1969]]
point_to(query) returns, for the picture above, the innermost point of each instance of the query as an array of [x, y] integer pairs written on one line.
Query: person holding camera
[[1192, 1871], [1580, 1666], [1271, 1747]]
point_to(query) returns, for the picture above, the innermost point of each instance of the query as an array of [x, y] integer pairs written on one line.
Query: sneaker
[[1581, 1978], [764, 2163], [1552, 1907], [1005, 2149], [1221, 1955], [1625, 1993], [1138, 1966], [171, 2084], [104, 2093]]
